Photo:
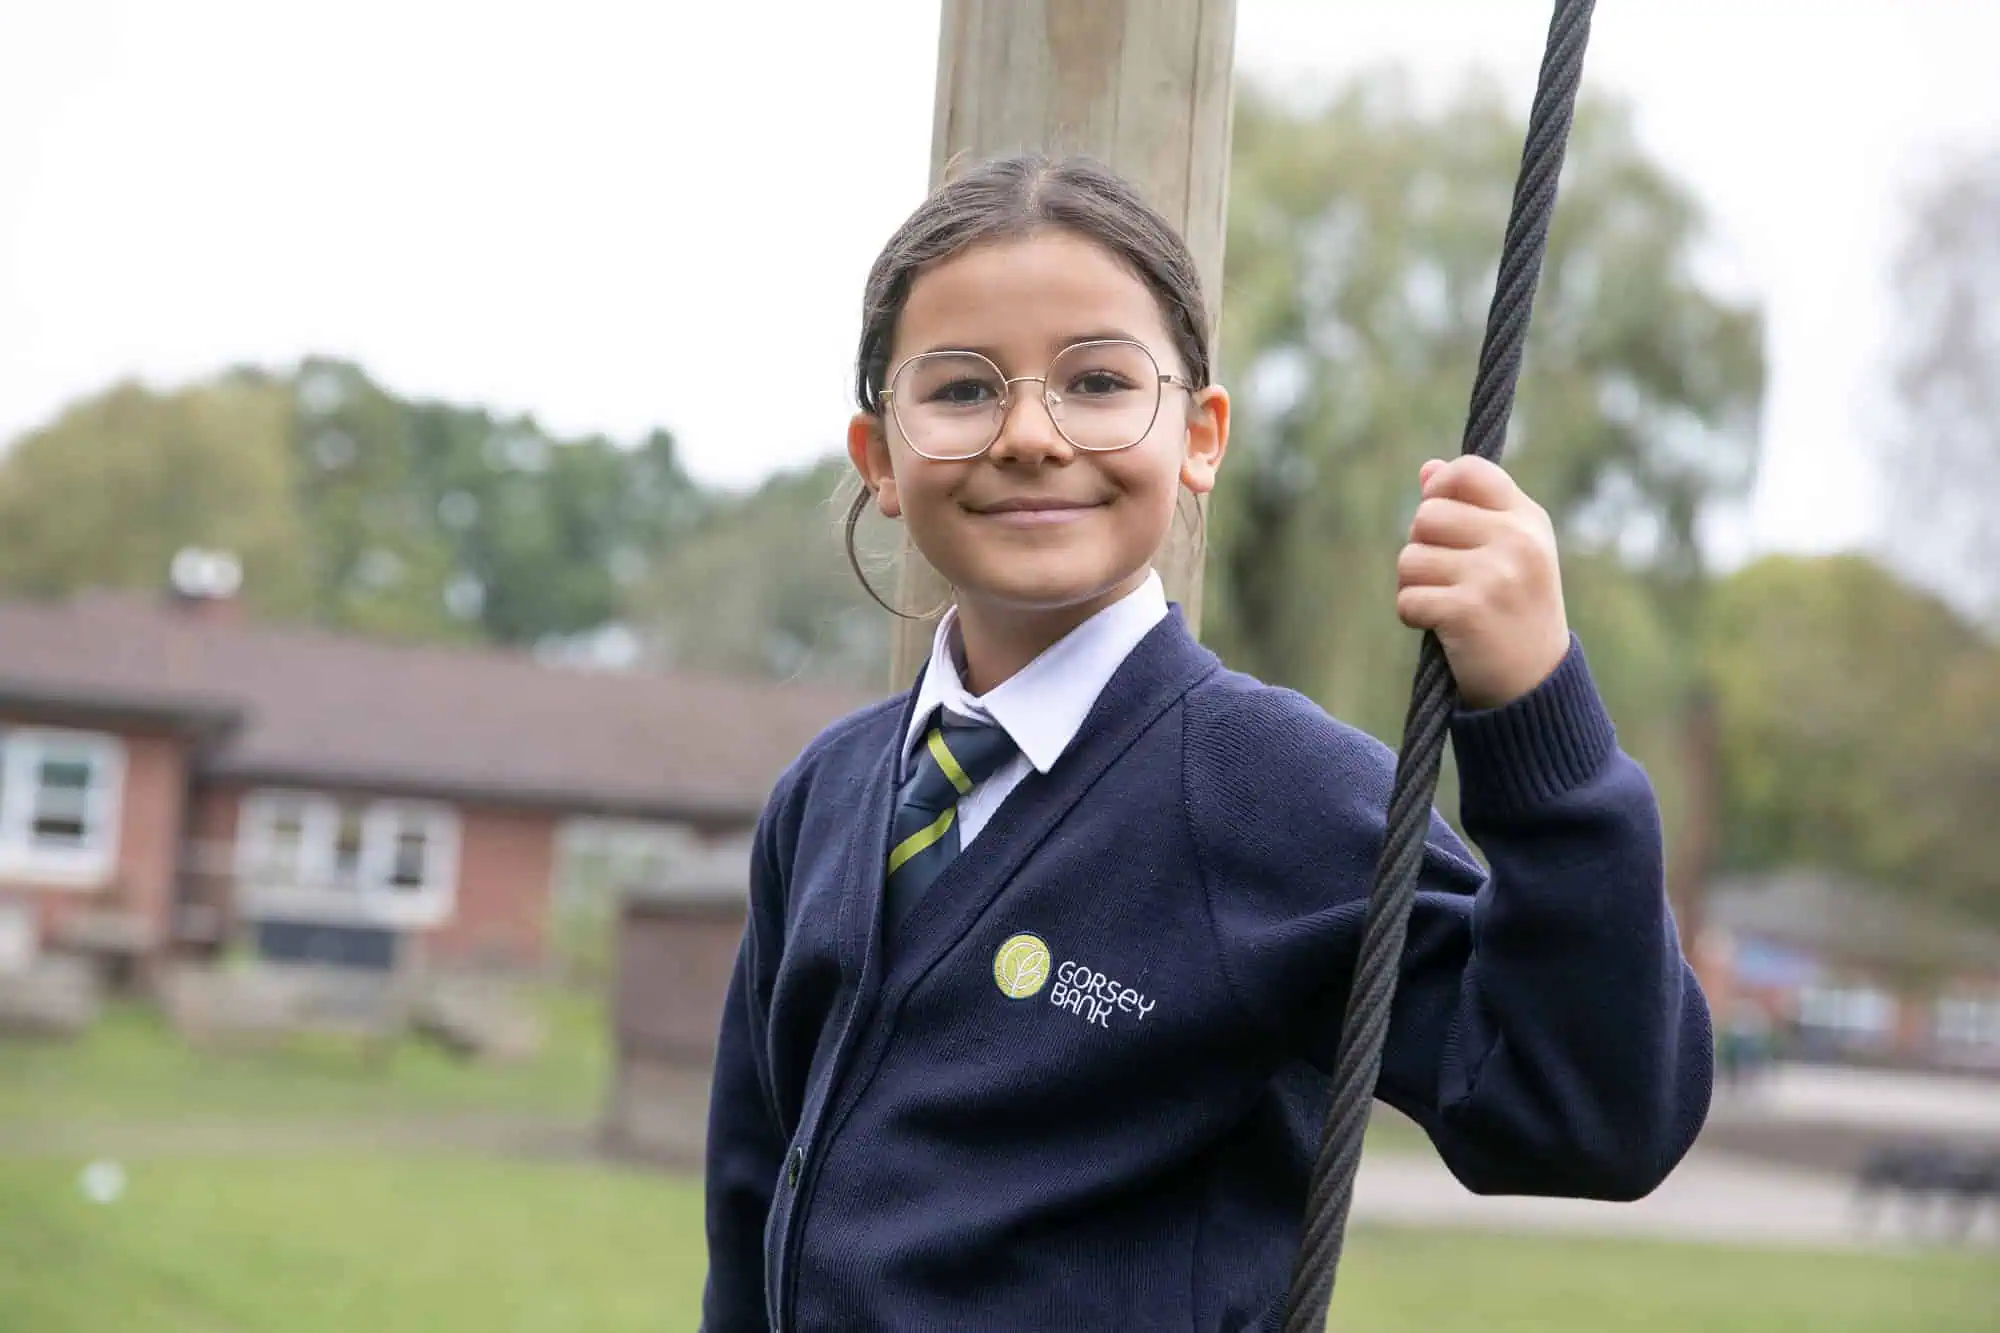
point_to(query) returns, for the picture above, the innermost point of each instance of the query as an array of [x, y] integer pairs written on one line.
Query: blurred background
[[418, 429]]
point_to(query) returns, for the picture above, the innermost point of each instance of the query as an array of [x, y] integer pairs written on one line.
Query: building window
[[350, 836], [59, 794], [305, 853], [274, 837], [1856, 1011], [1968, 1021]]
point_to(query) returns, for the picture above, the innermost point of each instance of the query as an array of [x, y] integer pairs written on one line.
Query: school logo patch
[[1021, 967]]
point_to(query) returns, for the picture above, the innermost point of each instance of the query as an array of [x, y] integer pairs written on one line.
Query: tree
[[429, 516], [1941, 461], [762, 587], [349, 505], [104, 495], [1946, 772], [381, 555], [1860, 729], [1364, 236]]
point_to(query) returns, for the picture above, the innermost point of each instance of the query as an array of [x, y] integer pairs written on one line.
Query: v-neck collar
[[1159, 671]]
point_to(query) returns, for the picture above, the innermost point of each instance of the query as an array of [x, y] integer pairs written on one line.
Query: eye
[[1099, 383], [966, 391]]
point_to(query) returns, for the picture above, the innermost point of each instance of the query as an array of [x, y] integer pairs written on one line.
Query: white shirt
[[1042, 705]]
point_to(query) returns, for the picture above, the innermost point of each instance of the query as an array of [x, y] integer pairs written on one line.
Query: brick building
[[172, 777], [1838, 971]]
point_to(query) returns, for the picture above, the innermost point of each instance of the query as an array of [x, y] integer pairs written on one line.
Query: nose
[[1028, 431]]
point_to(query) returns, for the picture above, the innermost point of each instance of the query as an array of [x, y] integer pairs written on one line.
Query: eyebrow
[[993, 355]]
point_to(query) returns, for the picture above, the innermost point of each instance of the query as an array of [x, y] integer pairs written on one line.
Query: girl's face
[[1036, 525]]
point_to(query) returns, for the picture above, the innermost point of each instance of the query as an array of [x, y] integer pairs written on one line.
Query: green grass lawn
[[130, 1066], [313, 1237], [436, 1245]]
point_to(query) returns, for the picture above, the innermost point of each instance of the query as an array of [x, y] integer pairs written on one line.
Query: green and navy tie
[[955, 757]]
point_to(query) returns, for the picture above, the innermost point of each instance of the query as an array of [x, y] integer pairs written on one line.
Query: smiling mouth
[[1035, 513]]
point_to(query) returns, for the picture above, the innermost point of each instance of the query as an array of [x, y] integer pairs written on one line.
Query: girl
[[1045, 957]]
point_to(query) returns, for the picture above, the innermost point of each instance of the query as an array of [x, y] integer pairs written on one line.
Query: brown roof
[[321, 709]]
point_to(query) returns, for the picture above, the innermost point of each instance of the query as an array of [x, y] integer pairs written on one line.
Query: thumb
[[1427, 471]]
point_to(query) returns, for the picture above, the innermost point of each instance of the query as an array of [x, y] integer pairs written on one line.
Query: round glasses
[[1102, 395]]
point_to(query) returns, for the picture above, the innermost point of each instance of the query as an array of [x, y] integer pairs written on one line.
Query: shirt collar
[[1042, 706]]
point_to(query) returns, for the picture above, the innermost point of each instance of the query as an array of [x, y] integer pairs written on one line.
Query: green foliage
[[381, 563], [107, 493], [1363, 239], [1860, 728], [348, 505], [430, 514], [762, 586]]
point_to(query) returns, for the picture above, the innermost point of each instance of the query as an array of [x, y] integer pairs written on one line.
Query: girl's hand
[[1481, 572]]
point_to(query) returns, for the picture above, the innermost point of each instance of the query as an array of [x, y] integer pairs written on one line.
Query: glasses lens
[[1106, 394], [948, 403]]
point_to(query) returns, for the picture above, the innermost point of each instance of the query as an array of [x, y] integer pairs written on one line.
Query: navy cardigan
[[1083, 1088]]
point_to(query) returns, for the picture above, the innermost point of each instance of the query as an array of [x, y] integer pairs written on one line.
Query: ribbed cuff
[[1543, 744]]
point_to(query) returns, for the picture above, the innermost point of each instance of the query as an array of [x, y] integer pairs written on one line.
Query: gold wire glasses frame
[[948, 429]]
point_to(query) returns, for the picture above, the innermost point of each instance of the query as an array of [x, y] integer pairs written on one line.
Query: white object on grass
[[103, 1182]]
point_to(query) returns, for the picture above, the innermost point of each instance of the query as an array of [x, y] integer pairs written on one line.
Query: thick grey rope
[[1435, 694]]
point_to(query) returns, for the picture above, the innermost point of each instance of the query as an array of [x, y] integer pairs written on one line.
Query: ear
[[868, 450], [1207, 438]]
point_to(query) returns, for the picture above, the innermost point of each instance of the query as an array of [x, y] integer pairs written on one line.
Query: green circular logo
[[1021, 967]]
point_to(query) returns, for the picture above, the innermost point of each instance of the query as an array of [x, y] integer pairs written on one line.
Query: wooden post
[[1144, 86]]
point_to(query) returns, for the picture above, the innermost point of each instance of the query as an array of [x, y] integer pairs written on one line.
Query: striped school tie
[[956, 756]]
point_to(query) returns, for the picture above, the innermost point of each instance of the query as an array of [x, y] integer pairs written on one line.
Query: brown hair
[[1012, 197]]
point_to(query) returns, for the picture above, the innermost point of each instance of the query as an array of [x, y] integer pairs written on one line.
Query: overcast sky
[[616, 214]]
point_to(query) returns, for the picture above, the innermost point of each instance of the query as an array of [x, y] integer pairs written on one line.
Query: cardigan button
[[794, 1166]]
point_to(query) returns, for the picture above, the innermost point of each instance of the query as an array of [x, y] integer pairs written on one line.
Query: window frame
[[310, 889], [1966, 1022], [23, 752], [1853, 1011]]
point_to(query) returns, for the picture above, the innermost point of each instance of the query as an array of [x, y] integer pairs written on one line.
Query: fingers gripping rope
[[1435, 694]]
